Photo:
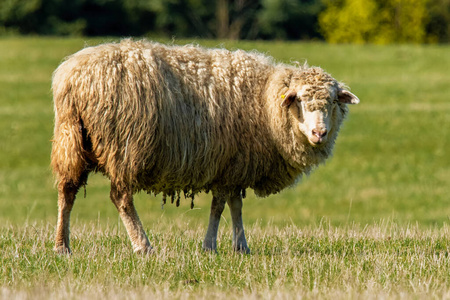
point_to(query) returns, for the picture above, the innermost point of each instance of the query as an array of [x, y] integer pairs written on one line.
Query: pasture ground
[[370, 223]]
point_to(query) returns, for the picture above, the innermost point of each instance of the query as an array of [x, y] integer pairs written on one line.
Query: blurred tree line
[[338, 21], [386, 21]]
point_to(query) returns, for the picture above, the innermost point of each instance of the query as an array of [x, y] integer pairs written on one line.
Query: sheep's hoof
[[144, 251], [209, 250], [242, 249], [62, 250], [209, 246]]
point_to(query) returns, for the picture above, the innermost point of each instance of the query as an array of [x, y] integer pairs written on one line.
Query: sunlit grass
[[381, 259]]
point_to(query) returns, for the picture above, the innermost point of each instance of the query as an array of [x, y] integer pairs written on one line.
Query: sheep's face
[[316, 108]]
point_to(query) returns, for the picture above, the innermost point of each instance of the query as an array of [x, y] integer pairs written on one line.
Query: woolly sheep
[[166, 119]]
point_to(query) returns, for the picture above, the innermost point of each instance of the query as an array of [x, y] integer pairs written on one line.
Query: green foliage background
[[337, 21], [376, 21]]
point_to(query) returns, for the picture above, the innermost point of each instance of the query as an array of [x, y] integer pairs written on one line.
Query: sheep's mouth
[[316, 141]]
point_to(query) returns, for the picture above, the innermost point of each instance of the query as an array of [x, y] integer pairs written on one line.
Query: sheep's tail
[[68, 159]]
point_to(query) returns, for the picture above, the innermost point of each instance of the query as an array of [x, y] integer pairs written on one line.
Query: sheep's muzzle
[[318, 136]]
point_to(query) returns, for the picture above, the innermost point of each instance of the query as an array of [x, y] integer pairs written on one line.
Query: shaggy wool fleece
[[184, 118]]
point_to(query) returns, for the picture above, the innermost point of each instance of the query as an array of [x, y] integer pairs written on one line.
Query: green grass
[[321, 261], [370, 222]]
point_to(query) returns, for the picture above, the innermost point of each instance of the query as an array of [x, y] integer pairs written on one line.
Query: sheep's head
[[317, 102]]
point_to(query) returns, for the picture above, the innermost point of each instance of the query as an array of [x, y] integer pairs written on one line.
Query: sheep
[[171, 119]]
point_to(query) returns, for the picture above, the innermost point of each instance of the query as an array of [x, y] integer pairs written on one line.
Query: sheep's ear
[[346, 97], [288, 98]]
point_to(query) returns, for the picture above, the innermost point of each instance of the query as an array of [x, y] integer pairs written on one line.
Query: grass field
[[371, 223]]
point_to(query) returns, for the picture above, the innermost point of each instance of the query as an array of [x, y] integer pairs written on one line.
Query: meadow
[[373, 222]]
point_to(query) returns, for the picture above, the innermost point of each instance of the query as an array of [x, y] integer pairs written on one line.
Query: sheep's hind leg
[[123, 200], [217, 206], [235, 205], [66, 199], [67, 191]]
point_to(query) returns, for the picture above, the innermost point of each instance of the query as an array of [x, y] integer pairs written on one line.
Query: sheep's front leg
[[235, 205], [217, 206], [123, 200]]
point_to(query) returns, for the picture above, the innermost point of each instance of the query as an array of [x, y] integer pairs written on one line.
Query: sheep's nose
[[320, 133]]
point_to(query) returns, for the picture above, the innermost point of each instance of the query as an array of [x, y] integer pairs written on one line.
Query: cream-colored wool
[[184, 118]]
